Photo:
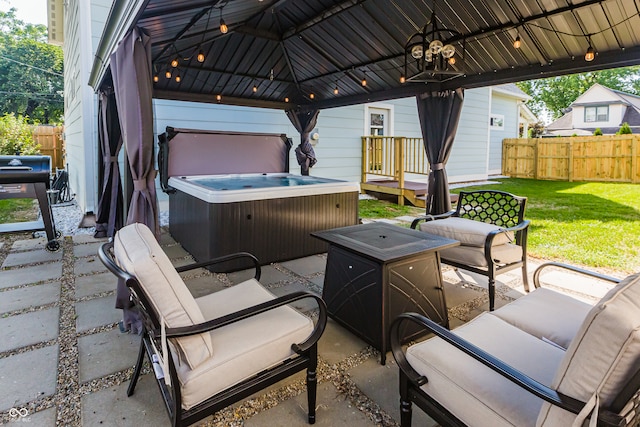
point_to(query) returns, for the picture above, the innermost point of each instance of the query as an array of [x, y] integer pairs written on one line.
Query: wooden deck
[[412, 192]]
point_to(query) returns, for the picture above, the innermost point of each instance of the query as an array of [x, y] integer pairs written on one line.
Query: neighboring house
[[598, 107], [488, 116]]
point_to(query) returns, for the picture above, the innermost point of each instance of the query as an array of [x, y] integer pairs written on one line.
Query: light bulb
[[286, 99], [223, 27], [590, 55], [417, 51], [255, 88], [200, 56], [435, 47], [155, 78], [218, 97], [178, 78], [402, 78], [174, 63], [312, 95], [168, 74], [336, 90], [364, 81], [452, 60], [517, 43], [448, 51]]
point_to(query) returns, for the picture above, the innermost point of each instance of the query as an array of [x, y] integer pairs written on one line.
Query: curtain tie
[[437, 167], [111, 159], [139, 184]]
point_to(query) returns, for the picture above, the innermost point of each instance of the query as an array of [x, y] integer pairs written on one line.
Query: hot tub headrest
[[188, 152]]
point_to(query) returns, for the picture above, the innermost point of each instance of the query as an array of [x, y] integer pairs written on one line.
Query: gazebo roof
[[289, 49]]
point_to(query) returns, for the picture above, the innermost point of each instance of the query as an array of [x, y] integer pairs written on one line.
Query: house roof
[[289, 49], [564, 122], [512, 90]]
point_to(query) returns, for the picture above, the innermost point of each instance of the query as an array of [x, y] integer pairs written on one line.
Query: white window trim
[[381, 106], [499, 117]]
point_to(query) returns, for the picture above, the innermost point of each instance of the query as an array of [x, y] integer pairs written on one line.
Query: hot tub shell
[[272, 224]]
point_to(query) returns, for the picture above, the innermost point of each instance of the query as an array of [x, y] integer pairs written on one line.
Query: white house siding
[[598, 95], [506, 107], [84, 22]]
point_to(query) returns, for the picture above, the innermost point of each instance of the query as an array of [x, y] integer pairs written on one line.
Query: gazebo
[[303, 57]]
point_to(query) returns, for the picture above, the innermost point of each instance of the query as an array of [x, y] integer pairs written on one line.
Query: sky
[[30, 11]]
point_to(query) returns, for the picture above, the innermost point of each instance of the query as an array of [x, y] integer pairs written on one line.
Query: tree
[[31, 81], [16, 136], [555, 94]]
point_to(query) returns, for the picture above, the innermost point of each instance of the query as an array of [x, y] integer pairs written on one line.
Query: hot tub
[[269, 214]]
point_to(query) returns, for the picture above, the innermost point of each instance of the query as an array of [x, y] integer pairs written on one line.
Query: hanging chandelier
[[436, 53]]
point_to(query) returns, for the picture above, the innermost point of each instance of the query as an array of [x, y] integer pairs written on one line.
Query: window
[[496, 121], [377, 124], [599, 113]]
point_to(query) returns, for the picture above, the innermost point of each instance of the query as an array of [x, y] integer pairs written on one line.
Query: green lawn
[[17, 210], [591, 224]]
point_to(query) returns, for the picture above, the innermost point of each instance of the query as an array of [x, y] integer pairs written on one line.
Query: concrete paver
[[87, 249], [27, 275], [106, 353], [96, 312], [28, 376], [31, 257], [95, 284], [88, 266], [27, 244], [337, 343], [37, 295], [307, 265], [29, 328]]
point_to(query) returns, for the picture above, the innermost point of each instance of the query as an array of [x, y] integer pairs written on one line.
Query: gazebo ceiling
[[277, 53]]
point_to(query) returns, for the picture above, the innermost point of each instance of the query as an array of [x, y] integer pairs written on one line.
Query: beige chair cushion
[[476, 394], [138, 252], [473, 255], [603, 354], [467, 231], [546, 314], [245, 348]]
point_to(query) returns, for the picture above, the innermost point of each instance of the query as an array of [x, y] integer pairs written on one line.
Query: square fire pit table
[[378, 271]]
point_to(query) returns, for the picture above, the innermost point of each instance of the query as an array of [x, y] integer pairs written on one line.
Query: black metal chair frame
[[306, 352], [411, 381], [498, 208]]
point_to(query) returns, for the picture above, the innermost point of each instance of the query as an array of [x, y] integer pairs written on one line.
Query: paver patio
[[63, 359]]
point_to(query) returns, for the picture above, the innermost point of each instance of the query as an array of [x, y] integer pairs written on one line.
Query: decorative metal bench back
[[494, 207]]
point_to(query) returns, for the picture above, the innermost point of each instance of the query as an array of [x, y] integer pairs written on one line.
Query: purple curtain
[[439, 113], [304, 122], [109, 215], [132, 81]]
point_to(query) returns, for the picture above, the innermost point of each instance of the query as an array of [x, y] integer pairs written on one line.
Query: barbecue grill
[[28, 177]]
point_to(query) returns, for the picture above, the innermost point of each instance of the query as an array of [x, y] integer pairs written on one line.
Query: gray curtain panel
[[133, 85], [439, 113], [109, 213], [304, 122]]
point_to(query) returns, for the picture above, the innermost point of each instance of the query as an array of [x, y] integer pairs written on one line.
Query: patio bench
[[492, 231], [545, 359], [215, 350]]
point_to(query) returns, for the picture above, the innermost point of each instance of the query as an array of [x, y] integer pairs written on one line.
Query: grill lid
[[25, 164]]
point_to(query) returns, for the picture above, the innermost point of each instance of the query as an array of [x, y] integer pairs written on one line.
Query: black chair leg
[[312, 384], [492, 293], [405, 403], [525, 278], [138, 368]]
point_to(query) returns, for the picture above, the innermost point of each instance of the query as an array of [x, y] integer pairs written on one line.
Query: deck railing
[[393, 157]]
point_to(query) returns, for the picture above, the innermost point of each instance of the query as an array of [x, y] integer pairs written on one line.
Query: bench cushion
[[138, 252], [604, 353], [546, 314], [472, 391], [245, 348], [467, 231]]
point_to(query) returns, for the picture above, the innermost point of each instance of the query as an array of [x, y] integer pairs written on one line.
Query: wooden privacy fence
[[51, 144], [606, 158]]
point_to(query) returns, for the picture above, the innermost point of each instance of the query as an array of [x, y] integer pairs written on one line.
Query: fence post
[[535, 158], [635, 140], [570, 172]]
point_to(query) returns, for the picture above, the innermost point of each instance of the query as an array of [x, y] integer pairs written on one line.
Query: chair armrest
[[218, 260], [538, 389], [429, 217], [237, 316], [519, 228], [538, 272]]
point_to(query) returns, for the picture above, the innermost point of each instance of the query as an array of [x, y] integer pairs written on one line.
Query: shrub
[[16, 136], [625, 129], [597, 132], [536, 130]]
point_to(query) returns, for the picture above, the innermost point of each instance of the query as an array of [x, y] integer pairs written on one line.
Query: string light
[[364, 79], [218, 97], [590, 55], [336, 90], [312, 95], [223, 26], [168, 74], [452, 60], [200, 56], [517, 43], [403, 79], [178, 78], [155, 78], [286, 99], [255, 88], [174, 62]]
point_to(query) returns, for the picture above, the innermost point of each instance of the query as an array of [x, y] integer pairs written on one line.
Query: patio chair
[[212, 351], [492, 231], [545, 359]]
